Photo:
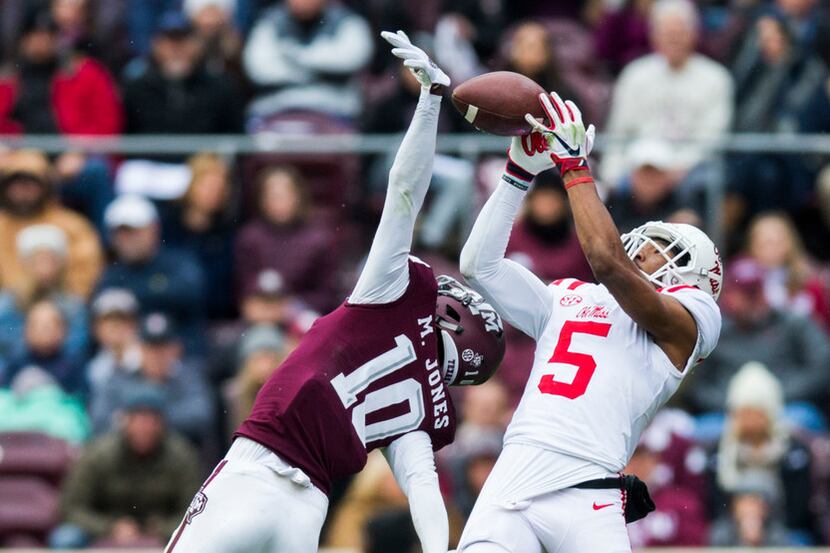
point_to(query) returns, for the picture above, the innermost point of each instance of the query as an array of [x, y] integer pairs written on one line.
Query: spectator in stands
[[44, 349], [806, 21], [486, 411], [187, 402], [115, 326], [471, 463], [756, 441], [286, 239], [36, 403], [792, 282], [672, 94], [751, 521], [261, 350], [792, 346], [74, 27], [42, 250], [173, 93], [201, 224], [468, 35], [544, 240], [775, 84], [649, 192], [69, 93], [161, 278], [27, 198], [680, 518], [267, 303], [485, 407], [622, 34], [144, 19], [774, 79], [85, 184], [213, 24], [530, 52], [304, 55], [101, 23], [131, 486]]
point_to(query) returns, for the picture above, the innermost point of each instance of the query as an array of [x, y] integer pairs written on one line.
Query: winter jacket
[[84, 100], [85, 255], [109, 482]]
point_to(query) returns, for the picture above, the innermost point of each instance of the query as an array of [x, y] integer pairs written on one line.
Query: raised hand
[[568, 140], [425, 70]]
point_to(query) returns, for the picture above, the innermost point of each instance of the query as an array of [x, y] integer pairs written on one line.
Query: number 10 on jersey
[[585, 363]]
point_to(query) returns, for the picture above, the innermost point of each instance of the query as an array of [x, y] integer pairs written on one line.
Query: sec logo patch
[[570, 299]]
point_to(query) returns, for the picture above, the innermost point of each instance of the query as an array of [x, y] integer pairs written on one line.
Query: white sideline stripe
[[472, 111]]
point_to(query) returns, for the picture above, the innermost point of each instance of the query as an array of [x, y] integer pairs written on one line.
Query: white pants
[[252, 503], [564, 521]]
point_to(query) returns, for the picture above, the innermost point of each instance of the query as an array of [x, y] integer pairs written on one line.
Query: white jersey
[[597, 377]]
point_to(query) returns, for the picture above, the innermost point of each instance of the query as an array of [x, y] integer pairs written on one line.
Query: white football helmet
[[691, 257]]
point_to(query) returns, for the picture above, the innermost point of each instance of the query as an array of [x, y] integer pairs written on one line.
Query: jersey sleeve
[[519, 296], [385, 275], [707, 316]]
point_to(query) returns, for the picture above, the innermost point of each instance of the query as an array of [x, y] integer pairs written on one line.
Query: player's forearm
[[519, 296], [488, 240], [384, 277], [597, 233], [429, 516], [412, 169], [413, 464]]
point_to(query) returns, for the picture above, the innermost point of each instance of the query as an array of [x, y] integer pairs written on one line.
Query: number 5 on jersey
[[585, 364]]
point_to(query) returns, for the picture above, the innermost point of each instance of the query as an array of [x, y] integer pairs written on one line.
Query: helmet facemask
[[678, 254]]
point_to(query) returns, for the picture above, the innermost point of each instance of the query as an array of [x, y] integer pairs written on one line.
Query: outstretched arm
[[672, 326], [519, 296], [413, 464], [386, 274]]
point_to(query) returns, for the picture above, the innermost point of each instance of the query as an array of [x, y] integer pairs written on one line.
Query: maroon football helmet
[[471, 331]]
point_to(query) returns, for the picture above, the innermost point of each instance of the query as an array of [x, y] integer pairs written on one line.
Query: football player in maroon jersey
[[371, 374]]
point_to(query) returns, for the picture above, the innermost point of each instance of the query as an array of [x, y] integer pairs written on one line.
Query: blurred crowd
[[144, 299]]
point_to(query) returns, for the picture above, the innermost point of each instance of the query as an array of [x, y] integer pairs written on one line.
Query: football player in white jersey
[[608, 355]]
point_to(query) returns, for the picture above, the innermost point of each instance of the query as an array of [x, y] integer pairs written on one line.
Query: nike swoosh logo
[[598, 507], [572, 151]]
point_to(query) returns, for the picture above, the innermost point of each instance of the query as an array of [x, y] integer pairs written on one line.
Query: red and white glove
[[528, 156], [569, 143]]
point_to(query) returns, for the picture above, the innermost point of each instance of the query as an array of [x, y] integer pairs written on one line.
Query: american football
[[497, 102]]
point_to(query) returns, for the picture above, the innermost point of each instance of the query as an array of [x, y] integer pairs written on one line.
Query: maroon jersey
[[363, 376]]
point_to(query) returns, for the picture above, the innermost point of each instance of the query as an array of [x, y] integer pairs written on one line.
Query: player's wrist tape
[[571, 164], [579, 180], [515, 183], [517, 172]]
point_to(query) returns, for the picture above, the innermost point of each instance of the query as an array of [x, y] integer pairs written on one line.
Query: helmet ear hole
[[454, 315], [683, 260]]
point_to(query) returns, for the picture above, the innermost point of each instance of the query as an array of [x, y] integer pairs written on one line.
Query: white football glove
[[531, 154], [416, 60], [568, 140]]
